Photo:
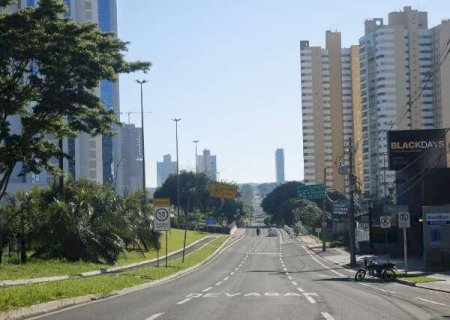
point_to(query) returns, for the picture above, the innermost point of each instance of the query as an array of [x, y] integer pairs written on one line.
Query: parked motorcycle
[[385, 271]]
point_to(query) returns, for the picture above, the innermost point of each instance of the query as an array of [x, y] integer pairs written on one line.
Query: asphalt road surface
[[268, 278]]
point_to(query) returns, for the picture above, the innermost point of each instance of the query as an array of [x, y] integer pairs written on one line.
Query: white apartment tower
[[400, 88], [207, 164], [328, 103], [279, 166], [131, 162]]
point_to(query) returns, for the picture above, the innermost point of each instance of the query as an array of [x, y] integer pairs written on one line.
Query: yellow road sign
[[219, 190], [161, 202]]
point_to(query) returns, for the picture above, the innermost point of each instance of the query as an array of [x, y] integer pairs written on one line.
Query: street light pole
[[196, 175], [178, 175], [141, 82]]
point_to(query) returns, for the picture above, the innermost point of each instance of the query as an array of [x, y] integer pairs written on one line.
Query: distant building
[[279, 165], [165, 169], [207, 164], [131, 161]]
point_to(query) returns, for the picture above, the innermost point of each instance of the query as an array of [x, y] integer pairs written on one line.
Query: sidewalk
[[341, 257]]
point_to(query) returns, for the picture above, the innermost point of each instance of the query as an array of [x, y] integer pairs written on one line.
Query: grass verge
[[37, 268], [414, 278], [27, 295]]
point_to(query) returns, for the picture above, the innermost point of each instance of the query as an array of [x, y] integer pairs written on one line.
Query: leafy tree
[[225, 211], [277, 203], [306, 212], [50, 67], [187, 190]]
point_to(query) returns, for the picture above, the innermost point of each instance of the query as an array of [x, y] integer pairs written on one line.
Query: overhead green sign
[[311, 192]]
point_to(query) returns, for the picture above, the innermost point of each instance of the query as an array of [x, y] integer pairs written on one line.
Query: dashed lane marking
[[309, 298], [300, 289], [236, 269], [294, 283], [219, 283], [232, 273], [326, 316], [184, 301], [432, 302], [226, 278], [153, 317], [284, 269], [207, 289], [290, 278]]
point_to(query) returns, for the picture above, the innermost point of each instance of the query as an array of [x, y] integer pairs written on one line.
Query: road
[[268, 278]]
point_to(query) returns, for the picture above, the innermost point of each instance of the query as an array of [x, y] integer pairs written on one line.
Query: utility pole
[[351, 213], [324, 209], [178, 172], [196, 175], [141, 82]]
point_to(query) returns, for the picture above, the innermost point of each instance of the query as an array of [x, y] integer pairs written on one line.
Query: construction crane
[[130, 112]]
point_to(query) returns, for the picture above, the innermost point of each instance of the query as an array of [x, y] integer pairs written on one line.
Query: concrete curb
[[56, 305], [19, 282]]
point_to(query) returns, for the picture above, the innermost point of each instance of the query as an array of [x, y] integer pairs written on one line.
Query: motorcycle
[[385, 271]]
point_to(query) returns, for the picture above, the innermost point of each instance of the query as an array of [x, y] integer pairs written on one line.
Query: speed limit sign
[[161, 221], [385, 222]]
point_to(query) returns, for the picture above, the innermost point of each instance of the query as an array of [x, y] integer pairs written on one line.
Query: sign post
[[385, 223], [161, 217], [404, 222]]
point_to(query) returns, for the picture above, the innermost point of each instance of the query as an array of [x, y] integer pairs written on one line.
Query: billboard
[[222, 190], [418, 149]]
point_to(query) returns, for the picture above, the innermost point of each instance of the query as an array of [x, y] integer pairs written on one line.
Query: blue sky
[[230, 70]]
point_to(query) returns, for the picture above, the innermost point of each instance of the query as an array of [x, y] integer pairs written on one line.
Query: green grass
[[414, 278], [21, 296], [37, 268]]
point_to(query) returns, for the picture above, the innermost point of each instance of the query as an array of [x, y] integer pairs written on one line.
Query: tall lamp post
[[141, 82], [196, 175], [178, 175]]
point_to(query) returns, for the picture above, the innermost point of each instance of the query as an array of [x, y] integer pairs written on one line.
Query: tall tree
[[277, 203], [50, 68]]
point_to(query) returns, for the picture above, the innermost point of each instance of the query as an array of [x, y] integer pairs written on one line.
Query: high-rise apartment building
[[279, 166], [131, 162], [329, 104], [400, 86], [207, 164], [94, 158], [164, 169]]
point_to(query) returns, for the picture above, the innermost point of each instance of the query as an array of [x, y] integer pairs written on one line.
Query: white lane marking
[[153, 317], [290, 278], [326, 316], [226, 278], [294, 283], [287, 273], [284, 269], [184, 301], [383, 290], [232, 273], [315, 259], [207, 289], [433, 302], [386, 290], [236, 269], [309, 298], [219, 283], [300, 289]]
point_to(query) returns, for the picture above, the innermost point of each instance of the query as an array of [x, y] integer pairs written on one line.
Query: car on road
[[272, 232]]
